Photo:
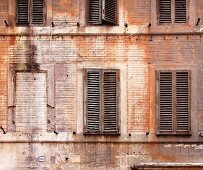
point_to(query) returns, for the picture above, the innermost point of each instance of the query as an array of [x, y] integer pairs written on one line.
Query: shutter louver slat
[[22, 12], [109, 11], [37, 11], [93, 101], [165, 11], [165, 102], [94, 15], [182, 101], [110, 102], [180, 11]]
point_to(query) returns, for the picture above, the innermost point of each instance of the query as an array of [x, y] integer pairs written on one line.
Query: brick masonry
[[63, 51]]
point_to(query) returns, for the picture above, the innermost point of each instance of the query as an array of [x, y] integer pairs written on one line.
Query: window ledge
[[177, 134], [165, 165], [106, 134]]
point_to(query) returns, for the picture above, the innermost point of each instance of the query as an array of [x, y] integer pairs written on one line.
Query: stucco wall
[[62, 52]]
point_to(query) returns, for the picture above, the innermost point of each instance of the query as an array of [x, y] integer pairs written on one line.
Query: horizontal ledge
[[157, 165], [107, 141], [103, 34]]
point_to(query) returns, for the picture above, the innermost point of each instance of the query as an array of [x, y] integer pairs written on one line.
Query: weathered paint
[[31, 102], [62, 51]]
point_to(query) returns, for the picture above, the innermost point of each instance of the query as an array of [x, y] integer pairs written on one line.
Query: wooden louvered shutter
[[165, 11], [101, 101], [93, 100], [110, 100], [94, 11], [182, 101], [173, 102], [109, 11], [165, 102], [37, 11], [22, 8], [180, 11]]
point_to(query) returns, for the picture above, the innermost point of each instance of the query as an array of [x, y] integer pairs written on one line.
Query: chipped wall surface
[[92, 155], [42, 82]]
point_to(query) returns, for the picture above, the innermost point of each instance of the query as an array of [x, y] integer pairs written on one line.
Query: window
[[101, 101], [173, 102], [24, 109], [173, 11], [102, 11], [31, 102], [30, 12]]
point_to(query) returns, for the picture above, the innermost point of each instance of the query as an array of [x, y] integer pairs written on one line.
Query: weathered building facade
[[83, 87]]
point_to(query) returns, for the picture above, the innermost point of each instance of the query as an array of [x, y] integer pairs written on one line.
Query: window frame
[[173, 13], [30, 14], [157, 85], [102, 21], [45, 68], [102, 132]]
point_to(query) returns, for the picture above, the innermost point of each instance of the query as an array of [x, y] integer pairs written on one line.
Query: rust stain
[[131, 54]]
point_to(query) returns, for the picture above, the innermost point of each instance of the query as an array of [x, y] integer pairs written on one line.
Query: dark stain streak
[[32, 65]]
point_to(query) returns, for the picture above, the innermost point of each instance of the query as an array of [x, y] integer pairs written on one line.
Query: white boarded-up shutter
[[31, 102], [173, 102], [101, 88]]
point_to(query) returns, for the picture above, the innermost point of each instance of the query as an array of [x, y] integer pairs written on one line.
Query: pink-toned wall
[[61, 53]]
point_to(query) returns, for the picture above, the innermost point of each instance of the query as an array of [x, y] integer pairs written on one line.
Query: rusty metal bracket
[[50, 106], [3, 130], [200, 134], [11, 106]]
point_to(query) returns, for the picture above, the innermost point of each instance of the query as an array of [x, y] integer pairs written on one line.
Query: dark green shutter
[[109, 11], [180, 11], [22, 8], [37, 11], [94, 11], [164, 11]]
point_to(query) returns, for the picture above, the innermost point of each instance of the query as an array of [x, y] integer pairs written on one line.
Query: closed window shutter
[[22, 12], [109, 11], [165, 102], [110, 101], [165, 11], [180, 11], [94, 11], [37, 11], [101, 102], [93, 99], [174, 102], [182, 101]]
